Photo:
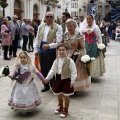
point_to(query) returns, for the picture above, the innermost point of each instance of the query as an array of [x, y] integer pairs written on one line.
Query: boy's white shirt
[[59, 69]]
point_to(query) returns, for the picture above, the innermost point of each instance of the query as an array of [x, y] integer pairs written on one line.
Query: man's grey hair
[[49, 13]]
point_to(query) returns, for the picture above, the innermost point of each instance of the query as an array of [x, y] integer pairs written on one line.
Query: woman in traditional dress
[[76, 50], [92, 37]]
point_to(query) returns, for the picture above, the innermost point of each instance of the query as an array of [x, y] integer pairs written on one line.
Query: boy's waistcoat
[[66, 70]]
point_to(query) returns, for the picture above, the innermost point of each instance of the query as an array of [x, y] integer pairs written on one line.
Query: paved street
[[100, 102]]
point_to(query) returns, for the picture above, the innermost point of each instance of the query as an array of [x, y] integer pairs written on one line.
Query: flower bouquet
[[102, 35], [101, 46], [87, 61]]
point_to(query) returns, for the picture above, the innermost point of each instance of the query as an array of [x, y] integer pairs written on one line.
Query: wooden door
[[35, 12], [17, 9], [18, 13]]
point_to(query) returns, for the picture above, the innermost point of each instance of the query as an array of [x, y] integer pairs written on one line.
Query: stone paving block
[[106, 119], [109, 110], [47, 114], [110, 77], [8, 118], [119, 108], [111, 81], [109, 97], [110, 89], [108, 116], [109, 103], [88, 113], [91, 106]]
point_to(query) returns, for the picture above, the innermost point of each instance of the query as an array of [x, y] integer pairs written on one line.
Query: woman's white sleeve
[[81, 31], [98, 34]]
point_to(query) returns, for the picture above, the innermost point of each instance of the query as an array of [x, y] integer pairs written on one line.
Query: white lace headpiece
[[17, 62], [84, 23]]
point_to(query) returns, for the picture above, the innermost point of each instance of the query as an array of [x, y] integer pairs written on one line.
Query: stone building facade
[[31, 9], [79, 7], [36, 9]]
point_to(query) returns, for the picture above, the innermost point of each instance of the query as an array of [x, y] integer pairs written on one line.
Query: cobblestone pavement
[[100, 102]]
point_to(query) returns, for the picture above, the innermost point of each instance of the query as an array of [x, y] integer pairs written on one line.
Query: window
[[35, 9], [59, 6], [73, 5], [17, 4]]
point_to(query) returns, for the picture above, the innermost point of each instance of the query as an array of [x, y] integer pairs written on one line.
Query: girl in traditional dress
[[64, 73], [75, 43], [92, 36], [24, 97]]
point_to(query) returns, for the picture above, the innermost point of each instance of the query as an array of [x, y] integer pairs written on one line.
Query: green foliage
[[3, 4], [88, 66], [58, 20]]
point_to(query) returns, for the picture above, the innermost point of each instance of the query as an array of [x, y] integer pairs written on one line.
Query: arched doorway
[[35, 12], [17, 9]]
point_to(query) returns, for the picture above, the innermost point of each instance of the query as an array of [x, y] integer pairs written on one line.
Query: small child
[[64, 73], [24, 97]]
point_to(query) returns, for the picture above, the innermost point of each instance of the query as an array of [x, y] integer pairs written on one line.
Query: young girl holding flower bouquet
[[24, 97]]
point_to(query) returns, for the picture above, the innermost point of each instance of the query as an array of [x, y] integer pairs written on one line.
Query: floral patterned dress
[[76, 51], [24, 97]]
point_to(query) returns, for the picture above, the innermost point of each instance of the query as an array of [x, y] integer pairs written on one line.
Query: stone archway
[[17, 9], [35, 12]]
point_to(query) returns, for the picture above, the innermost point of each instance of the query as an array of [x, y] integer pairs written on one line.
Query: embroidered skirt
[[24, 98], [83, 81], [98, 66]]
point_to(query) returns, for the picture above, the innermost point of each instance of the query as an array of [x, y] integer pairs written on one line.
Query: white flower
[[101, 46], [85, 58], [102, 34], [93, 58]]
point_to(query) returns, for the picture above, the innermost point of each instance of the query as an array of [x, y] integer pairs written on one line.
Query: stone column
[[104, 9]]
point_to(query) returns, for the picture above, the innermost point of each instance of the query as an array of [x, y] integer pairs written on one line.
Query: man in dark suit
[[15, 28], [65, 17]]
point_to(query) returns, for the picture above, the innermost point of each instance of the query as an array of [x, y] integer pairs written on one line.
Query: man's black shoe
[[19, 47], [45, 89], [14, 55]]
